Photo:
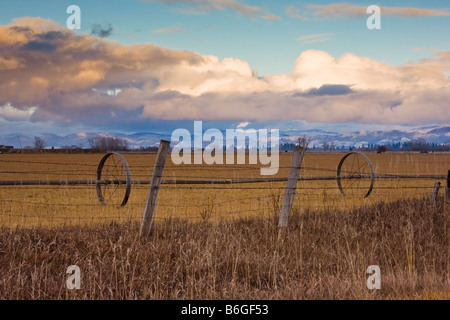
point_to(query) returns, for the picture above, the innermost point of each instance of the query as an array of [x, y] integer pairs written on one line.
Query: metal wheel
[[113, 180], [355, 175]]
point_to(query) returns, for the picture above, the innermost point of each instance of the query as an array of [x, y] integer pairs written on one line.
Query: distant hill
[[437, 135]]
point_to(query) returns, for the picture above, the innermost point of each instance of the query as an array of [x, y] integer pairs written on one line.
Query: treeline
[[96, 144], [419, 145], [103, 144], [100, 143]]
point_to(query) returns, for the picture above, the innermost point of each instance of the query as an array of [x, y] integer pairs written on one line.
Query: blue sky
[[269, 36]]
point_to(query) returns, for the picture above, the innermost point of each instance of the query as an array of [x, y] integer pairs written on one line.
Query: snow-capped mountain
[[438, 135]]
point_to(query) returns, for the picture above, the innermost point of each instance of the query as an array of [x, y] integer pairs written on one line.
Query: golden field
[[51, 206], [222, 241]]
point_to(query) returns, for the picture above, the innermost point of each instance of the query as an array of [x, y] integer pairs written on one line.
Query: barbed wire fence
[[52, 193]]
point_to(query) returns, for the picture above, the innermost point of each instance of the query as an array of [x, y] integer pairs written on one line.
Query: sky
[[158, 65]]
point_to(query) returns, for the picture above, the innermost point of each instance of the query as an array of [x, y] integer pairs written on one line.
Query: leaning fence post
[[447, 189], [152, 196], [291, 186], [435, 193]]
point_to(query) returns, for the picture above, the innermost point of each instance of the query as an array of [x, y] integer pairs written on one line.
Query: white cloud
[[243, 125], [11, 113]]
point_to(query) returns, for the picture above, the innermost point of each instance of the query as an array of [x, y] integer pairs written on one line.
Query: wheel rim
[[355, 175], [113, 180]]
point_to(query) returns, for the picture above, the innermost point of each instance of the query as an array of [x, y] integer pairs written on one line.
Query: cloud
[[242, 125], [295, 13], [215, 5], [170, 30], [102, 32], [328, 90], [39, 46], [313, 38], [92, 81], [10, 113], [47, 36], [345, 10], [9, 64], [270, 16], [190, 11]]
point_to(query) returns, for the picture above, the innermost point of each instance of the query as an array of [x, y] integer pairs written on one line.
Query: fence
[[47, 190]]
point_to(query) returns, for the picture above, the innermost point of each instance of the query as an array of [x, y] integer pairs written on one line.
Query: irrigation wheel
[[113, 180], [355, 175]]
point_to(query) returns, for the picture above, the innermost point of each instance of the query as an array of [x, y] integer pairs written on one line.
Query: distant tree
[[332, 146], [325, 146], [147, 149], [108, 144], [418, 145], [303, 141], [39, 143], [72, 147], [382, 149]]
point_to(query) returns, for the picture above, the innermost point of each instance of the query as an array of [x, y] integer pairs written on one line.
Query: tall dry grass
[[321, 255]]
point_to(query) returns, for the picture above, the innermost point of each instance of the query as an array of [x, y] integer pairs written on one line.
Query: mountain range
[[437, 135]]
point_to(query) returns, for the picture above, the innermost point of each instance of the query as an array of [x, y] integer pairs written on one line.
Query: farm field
[[52, 206], [222, 241]]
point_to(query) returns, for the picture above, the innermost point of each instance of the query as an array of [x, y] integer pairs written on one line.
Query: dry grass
[[322, 255]]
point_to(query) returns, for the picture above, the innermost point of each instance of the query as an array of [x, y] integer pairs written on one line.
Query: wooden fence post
[[291, 186], [447, 189], [435, 193], [152, 196]]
